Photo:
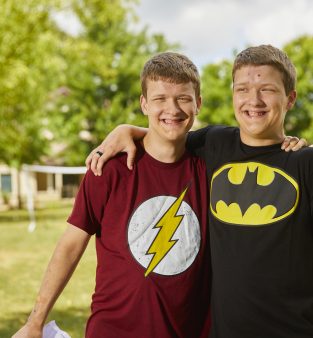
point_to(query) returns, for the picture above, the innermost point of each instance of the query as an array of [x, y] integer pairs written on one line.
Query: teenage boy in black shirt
[[261, 207]]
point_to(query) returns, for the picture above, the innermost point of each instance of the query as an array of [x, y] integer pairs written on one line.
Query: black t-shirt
[[261, 218]]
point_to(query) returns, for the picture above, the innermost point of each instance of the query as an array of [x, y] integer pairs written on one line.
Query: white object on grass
[[51, 330]]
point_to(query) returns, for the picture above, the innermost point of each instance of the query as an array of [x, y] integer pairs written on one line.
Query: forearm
[[60, 268], [136, 133]]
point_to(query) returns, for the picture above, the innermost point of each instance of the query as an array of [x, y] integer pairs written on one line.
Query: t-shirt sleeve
[[196, 141], [200, 141], [89, 203]]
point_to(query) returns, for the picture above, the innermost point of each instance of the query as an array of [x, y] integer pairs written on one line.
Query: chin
[[175, 137]]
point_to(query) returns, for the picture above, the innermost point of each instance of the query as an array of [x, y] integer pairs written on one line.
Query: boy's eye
[[241, 89], [183, 99], [268, 89]]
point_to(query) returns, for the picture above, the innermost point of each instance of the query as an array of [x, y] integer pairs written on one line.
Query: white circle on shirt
[[175, 249]]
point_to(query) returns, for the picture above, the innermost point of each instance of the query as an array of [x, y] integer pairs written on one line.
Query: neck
[[164, 151], [261, 142]]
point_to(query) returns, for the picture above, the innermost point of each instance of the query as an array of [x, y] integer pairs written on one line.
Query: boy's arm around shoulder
[[121, 139], [62, 264], [199, 139]]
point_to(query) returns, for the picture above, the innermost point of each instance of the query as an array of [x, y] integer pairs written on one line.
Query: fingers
[[302, 143], [93, 155], [292, 143], [286, 142], [108, 149], [100, 155], [107, 153], [93, 158], [131, 154], [96, 162], [89, 159]]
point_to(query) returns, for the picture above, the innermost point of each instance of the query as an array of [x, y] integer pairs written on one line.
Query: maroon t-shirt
[[153, 276]]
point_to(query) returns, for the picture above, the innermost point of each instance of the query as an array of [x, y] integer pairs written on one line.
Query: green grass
[[23, 259]]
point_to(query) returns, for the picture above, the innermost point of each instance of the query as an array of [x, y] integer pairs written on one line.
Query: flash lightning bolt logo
[[163, 241]]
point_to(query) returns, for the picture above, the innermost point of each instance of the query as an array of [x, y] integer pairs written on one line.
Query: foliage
[[217, 94], [299, 120], [68, 90], [103, 92], [62, 93], [24, 38]]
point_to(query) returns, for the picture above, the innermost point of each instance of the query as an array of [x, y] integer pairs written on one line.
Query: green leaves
[[217, 94], [299, 120], [61, 94]]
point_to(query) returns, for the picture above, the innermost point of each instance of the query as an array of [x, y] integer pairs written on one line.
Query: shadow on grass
[[71, 320]]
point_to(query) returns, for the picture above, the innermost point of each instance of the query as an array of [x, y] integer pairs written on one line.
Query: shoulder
[[220, 135], [222, 141], [194, 160], [191, 157], [304, 155], [220, 130], [298, 163], [116, 166]]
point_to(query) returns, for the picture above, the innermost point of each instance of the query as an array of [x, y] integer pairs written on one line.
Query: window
[[6, 184]]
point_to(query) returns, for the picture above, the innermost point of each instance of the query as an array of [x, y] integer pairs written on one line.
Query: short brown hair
[[268, 55], [171, 67]]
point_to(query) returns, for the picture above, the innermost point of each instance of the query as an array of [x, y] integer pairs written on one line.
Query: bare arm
[[121, 139], [64, 260]]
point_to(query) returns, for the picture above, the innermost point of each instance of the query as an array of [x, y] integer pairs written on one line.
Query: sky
[[210, 30]]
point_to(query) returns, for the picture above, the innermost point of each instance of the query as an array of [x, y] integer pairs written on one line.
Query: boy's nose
[[173, 107], [255, 97]]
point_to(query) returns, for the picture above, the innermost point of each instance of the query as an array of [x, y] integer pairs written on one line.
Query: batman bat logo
[[252, 194]]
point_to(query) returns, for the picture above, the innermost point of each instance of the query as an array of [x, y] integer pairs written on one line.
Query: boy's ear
[[143, 104], [291, 99], [199, 104]]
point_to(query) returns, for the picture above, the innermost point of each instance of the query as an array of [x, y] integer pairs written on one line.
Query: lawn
[[23, 258]]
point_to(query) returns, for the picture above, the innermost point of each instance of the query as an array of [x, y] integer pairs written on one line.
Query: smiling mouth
[[254, 114], [172, 122]]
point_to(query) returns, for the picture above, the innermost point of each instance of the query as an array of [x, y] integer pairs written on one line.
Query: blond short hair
[[268, 55], [171, 67]]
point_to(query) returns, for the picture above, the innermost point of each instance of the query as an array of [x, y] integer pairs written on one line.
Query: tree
[[25, 41], [299, 120], [103, 68], [24, 38], [67, 90], [217, 94]]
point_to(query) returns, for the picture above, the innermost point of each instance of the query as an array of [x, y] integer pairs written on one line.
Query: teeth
[[254, 114], [171, 121]]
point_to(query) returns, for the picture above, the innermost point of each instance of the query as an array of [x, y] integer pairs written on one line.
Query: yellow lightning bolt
[[163, 242]]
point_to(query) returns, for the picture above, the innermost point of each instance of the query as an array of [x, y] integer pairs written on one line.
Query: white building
[[38, 182]]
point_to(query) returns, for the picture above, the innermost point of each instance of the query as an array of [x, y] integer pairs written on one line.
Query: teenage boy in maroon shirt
[[153, 273]]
